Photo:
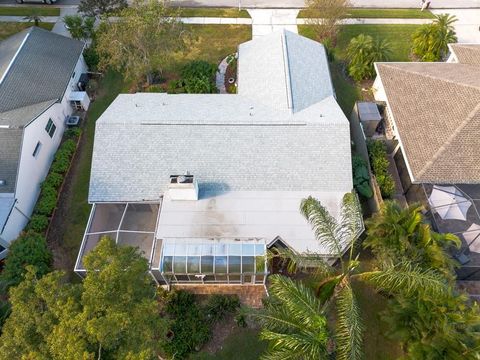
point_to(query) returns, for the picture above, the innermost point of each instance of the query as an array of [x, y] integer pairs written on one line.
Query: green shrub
[[198, 77], [53, 180], [377, 151], [361, 177], [38, 223], [218, 306], [91, 57], [73, 133], [28, 249], [190, 329], [63, 156], [46, 203]]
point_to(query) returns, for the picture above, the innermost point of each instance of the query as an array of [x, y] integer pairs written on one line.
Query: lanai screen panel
[[131, 224], [213, 261]]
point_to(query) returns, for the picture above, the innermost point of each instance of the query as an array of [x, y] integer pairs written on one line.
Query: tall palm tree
[[334, 286], [430, 41], [294, 322], [445, 33], [34, 17], [396, 233], [363, 52]]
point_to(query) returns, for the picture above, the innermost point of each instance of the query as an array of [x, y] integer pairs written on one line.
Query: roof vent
[[183, 187]]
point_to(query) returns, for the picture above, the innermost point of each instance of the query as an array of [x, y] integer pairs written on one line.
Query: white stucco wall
[[33, 170]]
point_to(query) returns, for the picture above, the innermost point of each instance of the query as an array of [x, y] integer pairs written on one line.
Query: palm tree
[[396, 234], [363, 52], [34, 17], [334, 286], [430, 42], [294, 322]]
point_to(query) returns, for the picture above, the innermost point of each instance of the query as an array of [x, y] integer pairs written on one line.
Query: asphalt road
[[438, 4]]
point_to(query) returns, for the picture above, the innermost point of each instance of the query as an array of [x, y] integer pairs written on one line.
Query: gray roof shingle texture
[[229, 142], [10, 147], [436, 110], [40, 72], [36, 66]]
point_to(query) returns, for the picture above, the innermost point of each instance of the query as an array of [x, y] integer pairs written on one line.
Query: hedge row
[[51, 185], [377, 151]]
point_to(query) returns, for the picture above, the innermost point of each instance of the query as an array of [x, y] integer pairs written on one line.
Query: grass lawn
[[214, 12], [9, 28], [242, 344], [381, 13], [24, 11]]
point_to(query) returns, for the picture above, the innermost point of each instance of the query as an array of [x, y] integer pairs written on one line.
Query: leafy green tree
[[29, 248], [430, 42], [113, 314], [435, 327], [143, 42], [81, 28], [363, 52], [334, 286], [101, 7], [396, 234], [294, 322]]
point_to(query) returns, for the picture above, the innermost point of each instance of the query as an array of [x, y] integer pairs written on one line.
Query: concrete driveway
[[468, 25]]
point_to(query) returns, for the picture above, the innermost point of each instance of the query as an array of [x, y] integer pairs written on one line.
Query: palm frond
[[349, 326], [305, 261], [406, 279], [310, 345], [351, 223], [323, 224], [298, 299]]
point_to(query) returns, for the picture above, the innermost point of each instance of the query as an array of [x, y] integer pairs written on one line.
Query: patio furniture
[[449, 203], [472, 237]]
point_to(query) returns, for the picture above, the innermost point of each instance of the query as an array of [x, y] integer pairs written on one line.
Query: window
[[50, 128], [37, 149]]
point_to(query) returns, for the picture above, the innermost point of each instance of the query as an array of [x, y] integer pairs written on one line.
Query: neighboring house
[[39, 73], [433, 110], [203, 184]]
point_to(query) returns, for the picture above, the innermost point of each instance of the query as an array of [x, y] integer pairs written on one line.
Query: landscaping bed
[[25, 11], [371, 13], [10, 28]]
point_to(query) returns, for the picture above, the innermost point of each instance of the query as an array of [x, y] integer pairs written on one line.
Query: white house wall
[[33, 170]]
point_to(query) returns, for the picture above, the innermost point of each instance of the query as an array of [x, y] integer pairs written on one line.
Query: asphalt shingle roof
[[40, 71], [436, 110], [10, 147], [467, 53], [229, 142]]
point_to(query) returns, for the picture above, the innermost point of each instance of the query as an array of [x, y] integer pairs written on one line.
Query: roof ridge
[[286, 69], [434, 77], [27, 34], [450, 139]]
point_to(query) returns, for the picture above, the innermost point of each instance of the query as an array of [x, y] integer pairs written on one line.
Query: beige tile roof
[[467, 53], [436, 111]]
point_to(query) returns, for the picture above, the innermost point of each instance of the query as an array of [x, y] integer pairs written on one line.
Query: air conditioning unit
[[72, 120]]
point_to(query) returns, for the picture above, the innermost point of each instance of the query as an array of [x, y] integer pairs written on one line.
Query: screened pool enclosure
[[174, 260], [231, 261]]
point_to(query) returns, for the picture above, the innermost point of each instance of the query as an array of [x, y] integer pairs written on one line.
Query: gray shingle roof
[[10, 146], [40, 71], [436, 110], [229, 142], [284, 71]]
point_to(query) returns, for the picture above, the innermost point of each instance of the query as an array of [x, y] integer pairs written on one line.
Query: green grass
[[380, 14], [242, 344], [215, 42], [9, 28], [24, 11], [77, 206], [214, 12]]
